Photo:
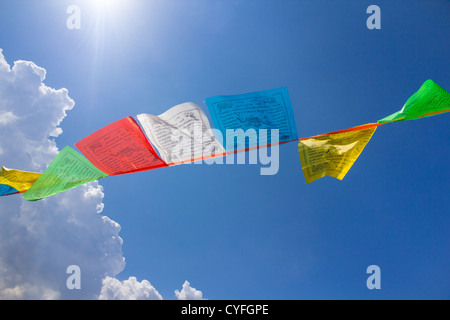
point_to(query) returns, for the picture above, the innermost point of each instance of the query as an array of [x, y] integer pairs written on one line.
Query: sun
[[107, 6]]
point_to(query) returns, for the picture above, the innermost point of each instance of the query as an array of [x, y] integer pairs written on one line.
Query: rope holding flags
[[183, 134]]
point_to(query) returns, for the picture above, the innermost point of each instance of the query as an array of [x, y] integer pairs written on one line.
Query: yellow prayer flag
[[19, 180], [333, 154]]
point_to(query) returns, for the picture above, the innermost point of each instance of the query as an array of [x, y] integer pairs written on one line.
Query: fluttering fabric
[[6, 190], [428, 101], [183, 134], [333, 154], [16, 181], [120, 147], [68, 170], [269, 109]]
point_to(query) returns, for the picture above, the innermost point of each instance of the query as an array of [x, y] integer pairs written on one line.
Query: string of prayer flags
[[13, 181], [333, 154], [120, 147], [181, 134], [429, 100], [68, 170], [269, 109]]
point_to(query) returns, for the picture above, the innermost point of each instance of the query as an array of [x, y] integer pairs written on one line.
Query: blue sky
[[231, 232]]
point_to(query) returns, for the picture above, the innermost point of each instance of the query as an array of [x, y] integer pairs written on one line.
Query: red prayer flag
[[120, 147]]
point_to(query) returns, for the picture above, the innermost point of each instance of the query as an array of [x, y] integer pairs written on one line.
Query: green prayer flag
[[68, 170], [429, 100]]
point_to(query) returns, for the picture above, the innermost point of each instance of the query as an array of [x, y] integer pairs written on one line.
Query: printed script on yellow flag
[[333, 154]]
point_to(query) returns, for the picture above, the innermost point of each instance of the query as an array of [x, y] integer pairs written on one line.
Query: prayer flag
[[6, 190], [18, 180], [333, 154], [181, 134], [68, 170], [120, 147], [429, 100], [250, 112]]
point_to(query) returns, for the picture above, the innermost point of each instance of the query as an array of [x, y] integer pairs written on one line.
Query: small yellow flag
[[19, 180], [333, 154]]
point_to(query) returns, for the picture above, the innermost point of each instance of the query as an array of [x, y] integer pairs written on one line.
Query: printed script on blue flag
[[269, 109]]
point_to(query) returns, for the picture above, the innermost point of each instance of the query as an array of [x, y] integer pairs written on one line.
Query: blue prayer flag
[[269, 109]]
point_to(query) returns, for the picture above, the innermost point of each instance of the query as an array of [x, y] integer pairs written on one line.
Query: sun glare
[[106, 6]]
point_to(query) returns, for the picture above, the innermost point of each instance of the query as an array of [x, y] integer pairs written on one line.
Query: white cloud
[[30, 113], [188, 293], [7, 117], [39, 240], [27, 290], [130, 289]]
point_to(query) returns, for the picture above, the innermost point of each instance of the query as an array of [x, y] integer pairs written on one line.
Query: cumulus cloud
[[130, 289], [31, 113], [39, 240], [188, 293]]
